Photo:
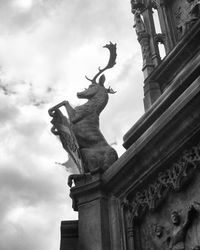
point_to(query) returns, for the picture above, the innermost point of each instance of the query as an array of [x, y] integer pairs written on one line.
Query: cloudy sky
[[46, 49]]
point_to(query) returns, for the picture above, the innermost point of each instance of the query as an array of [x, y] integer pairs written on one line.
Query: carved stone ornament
[[176, 240], [80, 134], [63, 129], [139, 23], [143, 37], [173, 234], [137, 5], [186, 15], [170, 179]]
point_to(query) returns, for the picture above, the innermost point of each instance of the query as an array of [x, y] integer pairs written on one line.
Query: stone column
[[145, 30], [144, 40], [150, 29], [151, 89], [91, 202], [148, 66]]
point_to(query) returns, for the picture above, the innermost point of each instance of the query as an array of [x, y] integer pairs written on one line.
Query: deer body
[[95, 151]]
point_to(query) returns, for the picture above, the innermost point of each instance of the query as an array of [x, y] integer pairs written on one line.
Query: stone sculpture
[[177, 241], [158, 231], [80, 134], [171, 237], [143, 36]]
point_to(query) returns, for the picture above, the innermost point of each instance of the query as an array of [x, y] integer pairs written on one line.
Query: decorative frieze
[[171, 179]]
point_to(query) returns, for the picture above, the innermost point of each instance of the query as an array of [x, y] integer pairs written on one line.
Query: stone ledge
[[159, 142], [179, 84]]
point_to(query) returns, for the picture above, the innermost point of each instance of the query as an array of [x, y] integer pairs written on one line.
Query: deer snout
[[80, 94]]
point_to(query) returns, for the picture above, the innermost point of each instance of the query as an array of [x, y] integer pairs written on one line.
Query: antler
[[111, 62]]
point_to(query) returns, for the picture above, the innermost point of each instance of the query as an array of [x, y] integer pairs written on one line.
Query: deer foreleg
[[71, 111], [74, 116]]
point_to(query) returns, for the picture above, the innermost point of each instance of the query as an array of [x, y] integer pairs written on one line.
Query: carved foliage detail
[[170, 179]]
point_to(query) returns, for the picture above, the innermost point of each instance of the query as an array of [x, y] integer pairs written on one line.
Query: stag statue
[[80, 134]]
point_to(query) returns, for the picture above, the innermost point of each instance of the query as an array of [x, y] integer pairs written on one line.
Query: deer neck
[[98, 102]]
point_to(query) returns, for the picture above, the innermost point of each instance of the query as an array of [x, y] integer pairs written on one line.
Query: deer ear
[[102, 80], [110, 91]]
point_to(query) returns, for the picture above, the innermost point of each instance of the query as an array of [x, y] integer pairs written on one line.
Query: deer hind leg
[[93, 159], [110, 157]]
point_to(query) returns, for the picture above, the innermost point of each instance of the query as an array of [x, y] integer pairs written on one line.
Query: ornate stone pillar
[[91, 202], [150, 27], [144, 40], [145, 30]]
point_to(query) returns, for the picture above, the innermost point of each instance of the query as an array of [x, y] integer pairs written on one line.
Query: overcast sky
[[46, 49]]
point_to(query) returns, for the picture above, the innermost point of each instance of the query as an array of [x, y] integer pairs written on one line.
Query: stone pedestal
[[91, 201]]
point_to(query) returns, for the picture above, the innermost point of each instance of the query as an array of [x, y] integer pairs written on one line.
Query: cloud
[[42, 55], [46, 49], [8, 111], [32, 189]]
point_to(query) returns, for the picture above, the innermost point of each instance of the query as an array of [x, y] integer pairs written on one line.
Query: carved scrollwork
[[170, 179]]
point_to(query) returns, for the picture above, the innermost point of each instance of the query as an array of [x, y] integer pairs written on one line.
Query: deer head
[[112, 49]]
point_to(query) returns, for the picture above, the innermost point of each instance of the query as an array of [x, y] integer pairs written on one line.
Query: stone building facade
[[149, 199]]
